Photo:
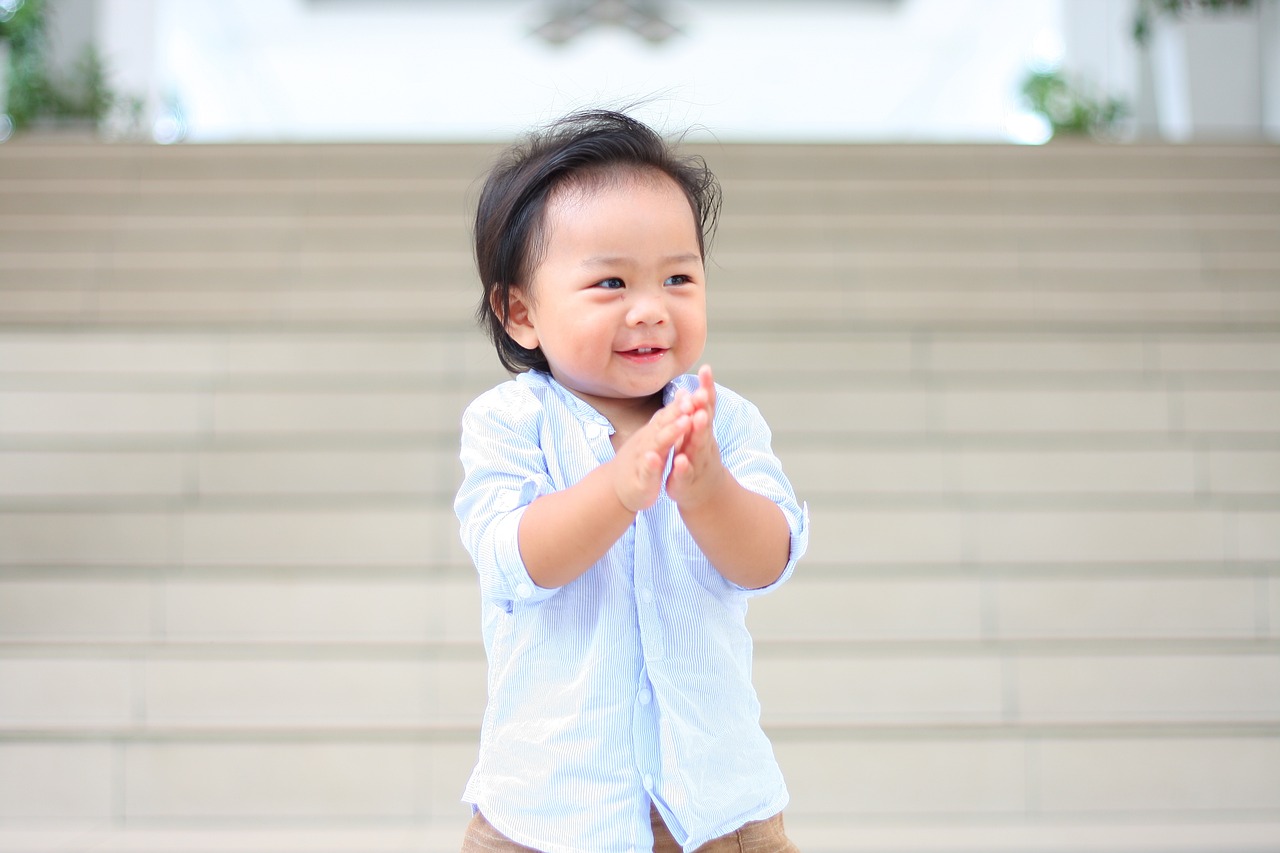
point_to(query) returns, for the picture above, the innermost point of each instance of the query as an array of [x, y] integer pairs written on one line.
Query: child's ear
[[519, 318]]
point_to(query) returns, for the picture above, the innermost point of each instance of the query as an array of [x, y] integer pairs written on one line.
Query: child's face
[[618, 303]]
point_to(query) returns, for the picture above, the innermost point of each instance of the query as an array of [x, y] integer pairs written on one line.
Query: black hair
[[510, 217]]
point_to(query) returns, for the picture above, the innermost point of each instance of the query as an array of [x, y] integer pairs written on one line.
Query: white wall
[[809, 69]]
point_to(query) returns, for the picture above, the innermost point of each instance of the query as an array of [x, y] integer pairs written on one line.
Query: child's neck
[[629, 415]]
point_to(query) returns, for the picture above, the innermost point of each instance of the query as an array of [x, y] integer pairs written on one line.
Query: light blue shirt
[[631, 683]]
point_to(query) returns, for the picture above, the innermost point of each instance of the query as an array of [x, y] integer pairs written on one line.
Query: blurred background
[[1003, 275]]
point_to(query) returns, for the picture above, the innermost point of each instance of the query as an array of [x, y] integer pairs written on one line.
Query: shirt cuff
[[510, 563], [798, 521]]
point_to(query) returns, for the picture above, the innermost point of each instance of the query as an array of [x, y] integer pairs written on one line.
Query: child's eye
[[611, 284], [678, 279]]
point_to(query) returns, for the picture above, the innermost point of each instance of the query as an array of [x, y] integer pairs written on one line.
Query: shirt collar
[[585, 412]]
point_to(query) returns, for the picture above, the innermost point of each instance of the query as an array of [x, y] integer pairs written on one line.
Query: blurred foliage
[[35, 92], [1149, 10], [1068, 108]]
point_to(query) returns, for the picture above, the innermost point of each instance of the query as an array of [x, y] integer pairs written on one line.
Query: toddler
[[620, 513]]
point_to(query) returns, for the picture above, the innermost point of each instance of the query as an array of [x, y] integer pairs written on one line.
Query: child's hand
[[639, 462], [696, 470]]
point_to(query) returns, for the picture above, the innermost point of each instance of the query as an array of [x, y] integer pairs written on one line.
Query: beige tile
[[449, 765], [352, 537], [305, 693], [407, 471], [1048, 353], [853, 536], [1231, 411], [63, 782], [1158, 775], [739, 358], [337, 412], [1101, 537], [299, 779], [879, 301], [95, 353], [959, 471], [1045, 411], [378, 305], [904, 778], [1226, 353], [1149, 688], [323, 609], [1136, 305], [122, 301], [844, 412], [1249, 472], [61, 692], [1018, 835], [1257, 536], [815, 471], [77, 610], [1255, 304], [906, 690], [792, 414], [821, 608], [751, 307], [1271, 604], [305, 354], [66, 302], [87, 413], [91, 474], [1110, 607], [74, 538], [1078, 472]]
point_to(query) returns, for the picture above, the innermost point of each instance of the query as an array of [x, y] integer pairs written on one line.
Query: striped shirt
[[631, 683]]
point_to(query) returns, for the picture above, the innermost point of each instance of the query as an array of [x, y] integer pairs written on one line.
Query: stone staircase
[[1032, 397]]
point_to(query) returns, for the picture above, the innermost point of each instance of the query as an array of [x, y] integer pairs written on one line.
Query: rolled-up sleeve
[[746, 448], [504, 470]]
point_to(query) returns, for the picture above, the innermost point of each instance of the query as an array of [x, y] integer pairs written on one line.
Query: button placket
[[651, 641]]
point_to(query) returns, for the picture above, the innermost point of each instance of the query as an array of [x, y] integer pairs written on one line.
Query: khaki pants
[[760, 836]]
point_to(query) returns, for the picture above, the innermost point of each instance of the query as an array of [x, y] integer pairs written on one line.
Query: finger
[[680, 468], [698, 437], [672, 434], [666, 414], [707, 383]]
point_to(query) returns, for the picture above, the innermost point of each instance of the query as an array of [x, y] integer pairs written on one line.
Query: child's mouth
[[643, 354]]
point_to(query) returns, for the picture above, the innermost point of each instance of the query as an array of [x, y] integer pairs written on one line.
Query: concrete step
[[407, 534], [819, 835], [757, 359], [795, 233], [1031, 396], [293, 605], [1021, 409], [373, 687], [991, 777], [929, 473], [127, 602], [50, 157]]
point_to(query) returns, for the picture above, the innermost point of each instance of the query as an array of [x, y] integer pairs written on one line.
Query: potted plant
[[35, 94], [1203, 65]]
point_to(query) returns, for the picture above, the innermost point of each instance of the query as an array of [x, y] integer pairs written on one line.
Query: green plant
[[1149, 10], [1068, 108], [34, 93]]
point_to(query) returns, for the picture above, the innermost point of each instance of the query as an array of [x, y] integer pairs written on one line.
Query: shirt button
[[648, 782], [646, 595], [645, 697], [594, 431], [524, 590]]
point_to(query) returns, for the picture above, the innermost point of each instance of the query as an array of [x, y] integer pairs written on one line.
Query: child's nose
[[647, 309]]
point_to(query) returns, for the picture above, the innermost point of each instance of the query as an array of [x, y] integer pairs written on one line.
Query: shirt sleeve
[[746, 448], [504, 470]]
